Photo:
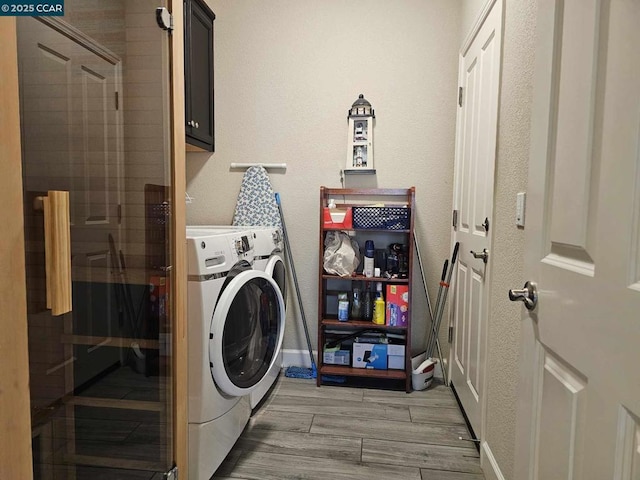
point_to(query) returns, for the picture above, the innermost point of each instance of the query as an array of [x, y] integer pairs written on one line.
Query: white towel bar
[[282, 166]]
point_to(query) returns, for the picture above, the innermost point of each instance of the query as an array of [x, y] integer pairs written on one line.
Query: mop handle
[[429, 307], [455, 255], [424, 280], [440, 310], [447, 284], [432, 332], [444, 270], [295, 281], [442, 277]]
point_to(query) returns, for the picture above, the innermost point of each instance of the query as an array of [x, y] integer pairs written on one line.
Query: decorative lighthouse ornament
[[360, 150]]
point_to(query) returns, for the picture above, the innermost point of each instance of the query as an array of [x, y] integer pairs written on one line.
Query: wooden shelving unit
[[330, 285]]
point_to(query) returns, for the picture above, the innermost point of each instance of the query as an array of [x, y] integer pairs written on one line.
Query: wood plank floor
[[340, 433]]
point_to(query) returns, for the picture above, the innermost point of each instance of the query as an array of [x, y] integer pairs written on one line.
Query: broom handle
[[431, 312], [295, 281], [440, 311], [432, 332], [424, 281]]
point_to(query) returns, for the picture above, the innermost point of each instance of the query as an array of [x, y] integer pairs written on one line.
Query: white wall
[[286, 72], [469, 13], [508, 241]]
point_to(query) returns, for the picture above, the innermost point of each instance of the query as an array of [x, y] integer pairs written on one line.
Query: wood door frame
[[15, 444], [15, 413], [466, 45], [179, 235]]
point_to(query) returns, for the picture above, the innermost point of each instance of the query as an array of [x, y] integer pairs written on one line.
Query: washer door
[[246, 331], [276, 269]]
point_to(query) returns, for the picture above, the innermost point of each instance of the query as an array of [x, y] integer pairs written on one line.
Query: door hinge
[[459, 96], [164, 19], [454, 220], [117, 101], [450, 338], [119, 214], [172, 474]]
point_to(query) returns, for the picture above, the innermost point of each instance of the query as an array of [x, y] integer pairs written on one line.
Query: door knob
[[528, 295], [484, 255]]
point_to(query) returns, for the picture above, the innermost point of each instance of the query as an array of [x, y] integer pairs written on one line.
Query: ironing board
[[256, 204]]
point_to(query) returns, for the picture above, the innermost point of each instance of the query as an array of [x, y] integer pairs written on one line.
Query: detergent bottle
[[379, 306]]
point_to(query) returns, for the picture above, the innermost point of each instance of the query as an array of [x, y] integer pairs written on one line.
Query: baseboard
[[489, 464], [297, 358]]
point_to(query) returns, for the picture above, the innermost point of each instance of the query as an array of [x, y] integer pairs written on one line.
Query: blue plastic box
[[370, 355]]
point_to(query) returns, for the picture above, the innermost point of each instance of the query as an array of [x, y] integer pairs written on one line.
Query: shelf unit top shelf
[[362, 278], [382, 230], [363, 192]]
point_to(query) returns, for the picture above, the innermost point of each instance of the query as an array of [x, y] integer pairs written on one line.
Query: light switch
[[520, 206]]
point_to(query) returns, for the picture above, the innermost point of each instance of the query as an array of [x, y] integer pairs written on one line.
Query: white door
[[579, 398], [479, 77], [70, 131]]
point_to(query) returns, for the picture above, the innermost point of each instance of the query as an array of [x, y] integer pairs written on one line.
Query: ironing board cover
[[256, 204]]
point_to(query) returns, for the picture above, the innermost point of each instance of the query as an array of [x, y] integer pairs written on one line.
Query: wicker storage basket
[[381, 218]]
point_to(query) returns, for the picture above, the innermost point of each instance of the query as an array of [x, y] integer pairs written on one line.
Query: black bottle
[[356, 304], [367, 303]]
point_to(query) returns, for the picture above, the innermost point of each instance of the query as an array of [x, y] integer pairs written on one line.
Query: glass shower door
[[94, 97]]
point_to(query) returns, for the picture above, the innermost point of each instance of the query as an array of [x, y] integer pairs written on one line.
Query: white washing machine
[[268, 254], [235, 319], [269, 257]]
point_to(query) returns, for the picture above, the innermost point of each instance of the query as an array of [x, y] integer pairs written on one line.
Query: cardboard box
[[370, 355], [336, 357], [395, 357], [397, 305]]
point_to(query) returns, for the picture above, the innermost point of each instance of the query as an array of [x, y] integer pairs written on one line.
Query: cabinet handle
[[57, 250], [197, 125]]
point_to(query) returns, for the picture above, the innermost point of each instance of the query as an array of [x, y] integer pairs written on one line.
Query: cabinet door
[[199, 75]]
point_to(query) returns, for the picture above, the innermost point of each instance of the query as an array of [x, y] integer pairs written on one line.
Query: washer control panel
[[243, 244]]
